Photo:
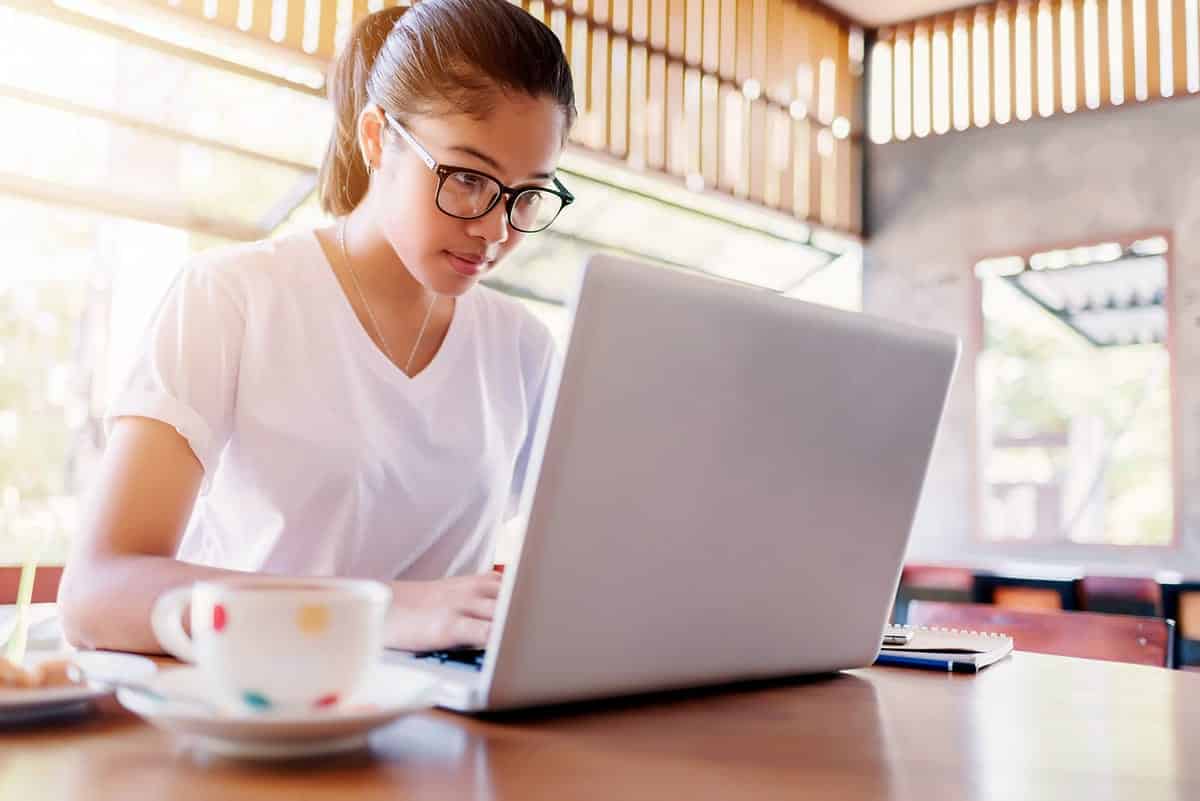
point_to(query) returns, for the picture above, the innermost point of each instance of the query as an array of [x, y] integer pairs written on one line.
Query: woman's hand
[[447, 613]]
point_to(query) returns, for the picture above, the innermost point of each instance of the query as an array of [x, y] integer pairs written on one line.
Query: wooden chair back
[[1090, 635], [45, 584], [1121, 595], [1021, 592]]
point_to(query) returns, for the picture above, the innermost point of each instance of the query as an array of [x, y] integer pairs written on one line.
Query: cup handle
[[166, 619]]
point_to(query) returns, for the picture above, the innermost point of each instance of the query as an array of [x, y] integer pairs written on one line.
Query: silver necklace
[[375, 323]]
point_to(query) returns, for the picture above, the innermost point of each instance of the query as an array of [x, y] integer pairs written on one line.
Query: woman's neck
[[383, 277]]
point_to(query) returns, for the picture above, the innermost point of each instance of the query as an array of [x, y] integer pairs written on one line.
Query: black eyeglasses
[[470, 194]]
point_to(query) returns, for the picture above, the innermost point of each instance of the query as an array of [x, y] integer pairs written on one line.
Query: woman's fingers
[[446, 613], [480, 608], [469, 632], [489, 585]]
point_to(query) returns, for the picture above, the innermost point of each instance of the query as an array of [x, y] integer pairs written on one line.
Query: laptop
[[722, 489]]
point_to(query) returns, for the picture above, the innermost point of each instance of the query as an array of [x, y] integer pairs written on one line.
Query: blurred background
[[1024, 174]]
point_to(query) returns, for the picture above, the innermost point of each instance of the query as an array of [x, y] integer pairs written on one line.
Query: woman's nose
[[493, 226]]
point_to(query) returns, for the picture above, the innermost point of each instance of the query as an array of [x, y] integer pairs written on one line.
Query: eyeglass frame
[[444, 171]]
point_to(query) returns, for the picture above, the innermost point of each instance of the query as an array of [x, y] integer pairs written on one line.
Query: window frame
[[973, 349]]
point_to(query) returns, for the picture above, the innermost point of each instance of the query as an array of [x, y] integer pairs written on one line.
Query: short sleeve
[[186, 369], [537, 359]]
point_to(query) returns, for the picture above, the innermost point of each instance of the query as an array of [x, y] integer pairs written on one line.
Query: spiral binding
[[943, 630]]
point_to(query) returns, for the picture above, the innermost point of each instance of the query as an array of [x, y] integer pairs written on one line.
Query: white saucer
[[53, 703], [389, 693]]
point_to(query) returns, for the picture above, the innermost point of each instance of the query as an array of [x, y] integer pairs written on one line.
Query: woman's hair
[[435, 57]]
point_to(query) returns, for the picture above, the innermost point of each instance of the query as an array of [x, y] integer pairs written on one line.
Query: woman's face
[[519, 144]]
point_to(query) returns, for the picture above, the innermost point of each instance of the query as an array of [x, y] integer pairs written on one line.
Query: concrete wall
[[937, 205]]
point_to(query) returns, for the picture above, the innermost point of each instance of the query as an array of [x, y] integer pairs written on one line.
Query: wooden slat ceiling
[[758, 99], [1015, 60]]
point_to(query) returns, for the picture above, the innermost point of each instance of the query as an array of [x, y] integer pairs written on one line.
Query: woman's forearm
[[105, 602]]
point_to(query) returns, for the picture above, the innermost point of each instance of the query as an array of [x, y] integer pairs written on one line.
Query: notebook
[[945, 649]]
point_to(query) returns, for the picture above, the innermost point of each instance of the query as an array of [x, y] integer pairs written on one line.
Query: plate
[[390, 692], [28, 705]]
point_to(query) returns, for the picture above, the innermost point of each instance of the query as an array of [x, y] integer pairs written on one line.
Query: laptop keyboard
[[465, 657]]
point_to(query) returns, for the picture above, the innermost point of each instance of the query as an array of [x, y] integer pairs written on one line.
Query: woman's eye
[[468, 180]]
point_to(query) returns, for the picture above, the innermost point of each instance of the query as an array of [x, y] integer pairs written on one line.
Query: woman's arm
[[123, 555]]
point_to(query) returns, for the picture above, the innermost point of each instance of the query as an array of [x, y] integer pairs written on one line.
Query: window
[[108, 183], [1074, 396], [74, 296]]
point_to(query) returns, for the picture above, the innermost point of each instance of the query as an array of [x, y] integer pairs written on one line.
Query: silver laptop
[[722, 490]]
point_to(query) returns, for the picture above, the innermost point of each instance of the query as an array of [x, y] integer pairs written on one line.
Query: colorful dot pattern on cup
[[219, 618], [326, 701], [256, 700], [313, 619]]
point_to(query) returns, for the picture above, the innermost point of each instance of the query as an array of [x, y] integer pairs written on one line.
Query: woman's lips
[[466, 266]]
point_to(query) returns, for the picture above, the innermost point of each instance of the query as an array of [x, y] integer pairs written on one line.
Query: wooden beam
[[711, 58], [744, 66], [693, 31], [901, 36], [677, 28], [1102, 51], [1035, 56], [982, 65], [963, 57], [113, 204], [293, 29], [1153, 52], [326, 29], [639, 88], [710, 128], [1127, 40], [1179, 51], [801, 170], [1056, 62], [729, 37], [846, 84], [227, 13], [999, 71], [1083, 77], [779, 62]]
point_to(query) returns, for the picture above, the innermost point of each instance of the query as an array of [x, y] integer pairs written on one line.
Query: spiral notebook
[[951, 650]]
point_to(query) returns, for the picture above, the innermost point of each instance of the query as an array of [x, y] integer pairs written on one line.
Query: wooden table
[[1031, 727]]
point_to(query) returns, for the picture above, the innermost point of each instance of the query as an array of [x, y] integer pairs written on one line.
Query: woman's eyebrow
[[495, 165]]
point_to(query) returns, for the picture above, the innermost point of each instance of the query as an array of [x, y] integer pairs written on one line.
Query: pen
[[949, 666]]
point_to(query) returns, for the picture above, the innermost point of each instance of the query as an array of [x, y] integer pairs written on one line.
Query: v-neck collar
[[372, 354]]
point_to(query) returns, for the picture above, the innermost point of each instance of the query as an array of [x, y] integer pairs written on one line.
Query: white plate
[[37, 703], [389, 693]]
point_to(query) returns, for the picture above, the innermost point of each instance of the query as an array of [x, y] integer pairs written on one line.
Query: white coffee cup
[[277, 645]]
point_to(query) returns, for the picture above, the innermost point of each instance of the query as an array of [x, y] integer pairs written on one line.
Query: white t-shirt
[[320, 456]]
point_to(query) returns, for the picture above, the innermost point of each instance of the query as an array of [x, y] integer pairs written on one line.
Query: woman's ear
[[370, 136]]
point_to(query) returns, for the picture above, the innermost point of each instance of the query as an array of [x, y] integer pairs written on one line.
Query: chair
[[1121, 596], [931, 583], [1181, 603], [1090, 635], [45, 584], [1027, 592]]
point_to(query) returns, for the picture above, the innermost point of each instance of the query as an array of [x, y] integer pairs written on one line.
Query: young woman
[[347, 401]]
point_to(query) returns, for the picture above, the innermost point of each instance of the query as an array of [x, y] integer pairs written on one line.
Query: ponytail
[[342, 182]]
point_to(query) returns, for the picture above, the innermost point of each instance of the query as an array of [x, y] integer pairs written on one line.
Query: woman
[[347, 401]]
